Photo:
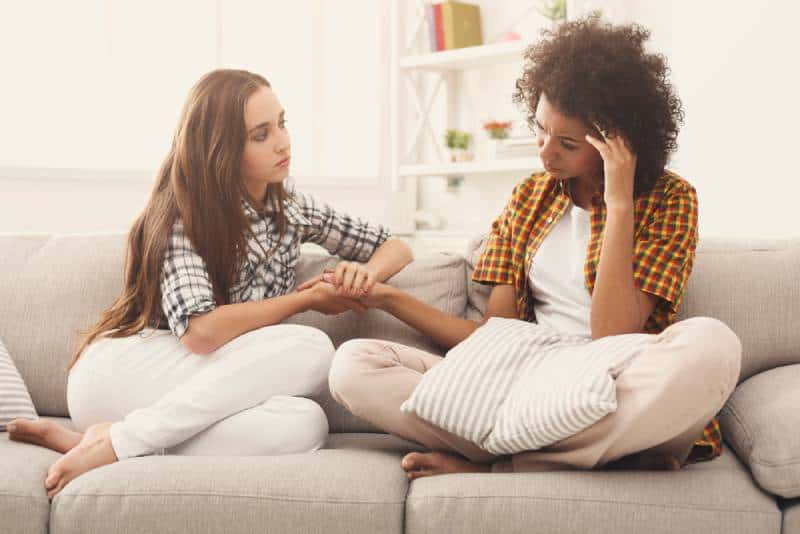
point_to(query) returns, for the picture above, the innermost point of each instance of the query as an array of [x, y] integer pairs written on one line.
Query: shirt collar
[[597, 199], [290, 208]]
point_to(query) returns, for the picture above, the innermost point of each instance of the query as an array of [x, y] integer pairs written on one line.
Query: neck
[[256, 195], [581, 189]]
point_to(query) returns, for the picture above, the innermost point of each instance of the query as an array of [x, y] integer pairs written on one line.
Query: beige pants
[[665, 398]]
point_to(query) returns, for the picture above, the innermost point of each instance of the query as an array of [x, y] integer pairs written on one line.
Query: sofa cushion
[[752, 287], [51, 288], [338, 490], [761, 421], [24, 506], [791, 517], [716, 496]]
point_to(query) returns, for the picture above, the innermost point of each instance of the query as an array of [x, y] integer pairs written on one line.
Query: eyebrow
[[565, 137], [265, 124]]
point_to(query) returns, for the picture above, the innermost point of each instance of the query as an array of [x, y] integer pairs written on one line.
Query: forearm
[[391, 257], [615, 306], [445, 329], [211, 330]]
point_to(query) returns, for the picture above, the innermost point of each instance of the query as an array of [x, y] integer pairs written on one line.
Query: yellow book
[[461, 24]]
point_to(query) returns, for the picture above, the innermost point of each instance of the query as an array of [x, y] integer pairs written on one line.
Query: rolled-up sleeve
[[665, 249], [496, 264], [186, 288], [339, 233]]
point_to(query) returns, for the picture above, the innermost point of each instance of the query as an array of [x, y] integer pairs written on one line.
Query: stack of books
[[453, 25], [515, 147]]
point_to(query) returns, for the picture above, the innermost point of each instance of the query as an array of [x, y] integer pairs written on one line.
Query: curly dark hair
[[601, 73]]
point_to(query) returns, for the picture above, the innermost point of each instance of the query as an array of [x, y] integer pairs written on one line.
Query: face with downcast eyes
[[563, 148], [267, 150]]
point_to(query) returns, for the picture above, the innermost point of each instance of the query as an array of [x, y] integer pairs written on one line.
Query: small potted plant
[[496, 131], [458, 142]]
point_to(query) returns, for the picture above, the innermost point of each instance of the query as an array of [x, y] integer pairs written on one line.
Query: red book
[[437, 20]]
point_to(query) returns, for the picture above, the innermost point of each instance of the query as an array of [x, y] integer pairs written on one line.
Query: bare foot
[[94, 450], [43, 433], [419, 464], [646, 461]]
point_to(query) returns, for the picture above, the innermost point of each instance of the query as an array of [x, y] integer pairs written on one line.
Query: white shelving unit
[[521, 165], [411, 60]]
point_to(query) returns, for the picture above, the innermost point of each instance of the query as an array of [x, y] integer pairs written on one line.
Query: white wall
[[732, 65]]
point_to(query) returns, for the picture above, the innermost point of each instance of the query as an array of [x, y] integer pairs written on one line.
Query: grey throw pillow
[[15, 401]]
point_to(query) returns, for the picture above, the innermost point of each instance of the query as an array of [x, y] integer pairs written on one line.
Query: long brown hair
[[199, 183]]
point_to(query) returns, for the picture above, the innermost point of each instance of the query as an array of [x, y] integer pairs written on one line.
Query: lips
[[284, 162]]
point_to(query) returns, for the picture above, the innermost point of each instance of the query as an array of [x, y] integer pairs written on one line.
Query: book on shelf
[[453, 25]]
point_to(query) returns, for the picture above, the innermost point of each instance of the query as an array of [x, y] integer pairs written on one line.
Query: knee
[[349, 363], [717, 357], [308, 425]]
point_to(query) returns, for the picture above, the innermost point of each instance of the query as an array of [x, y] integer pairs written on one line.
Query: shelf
[[466, 58], [532, 164]]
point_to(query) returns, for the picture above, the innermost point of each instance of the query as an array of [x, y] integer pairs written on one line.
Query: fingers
[[359, 283], [329, 276], [310, 283], [339, 273], [349, 279]]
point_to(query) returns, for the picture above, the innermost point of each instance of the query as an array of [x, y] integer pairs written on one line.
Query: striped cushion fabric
[[15, 401], [514, 386]]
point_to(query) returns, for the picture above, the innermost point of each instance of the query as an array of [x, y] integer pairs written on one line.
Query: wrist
[[387, 297], [618, 207], [307, 299]]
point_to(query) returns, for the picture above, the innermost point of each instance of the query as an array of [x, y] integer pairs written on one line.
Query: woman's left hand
[[350, 278], [619, 164]]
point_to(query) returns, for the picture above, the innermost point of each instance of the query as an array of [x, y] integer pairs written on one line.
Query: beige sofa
[[52, 286]]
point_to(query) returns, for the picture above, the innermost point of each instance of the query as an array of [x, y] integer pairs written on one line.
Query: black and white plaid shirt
[[186, 287]]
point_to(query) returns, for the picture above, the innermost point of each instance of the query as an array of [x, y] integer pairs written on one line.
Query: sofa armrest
[[761, 422]]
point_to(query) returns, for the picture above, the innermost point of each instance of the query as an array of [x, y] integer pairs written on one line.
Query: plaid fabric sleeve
[[665, 248], [338, 233], [495, 265], [185, 285]]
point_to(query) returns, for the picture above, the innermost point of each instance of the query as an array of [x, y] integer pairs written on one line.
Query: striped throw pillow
[[514, 386], [15, 401]]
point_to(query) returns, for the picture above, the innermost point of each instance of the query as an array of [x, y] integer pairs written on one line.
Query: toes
[[53, 478], [415, 461], [56, 490]]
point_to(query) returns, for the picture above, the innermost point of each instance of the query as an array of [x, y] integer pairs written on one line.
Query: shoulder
[[532, 186], [671, 186]]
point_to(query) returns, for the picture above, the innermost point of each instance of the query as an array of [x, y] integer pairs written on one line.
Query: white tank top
[[556, 279]]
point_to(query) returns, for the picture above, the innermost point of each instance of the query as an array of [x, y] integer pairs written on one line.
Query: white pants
[[245, 398]]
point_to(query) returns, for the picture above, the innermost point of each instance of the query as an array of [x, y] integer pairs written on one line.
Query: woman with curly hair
[[599, 245]]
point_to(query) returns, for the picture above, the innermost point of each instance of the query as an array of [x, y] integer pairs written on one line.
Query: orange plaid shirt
[[665, 230]]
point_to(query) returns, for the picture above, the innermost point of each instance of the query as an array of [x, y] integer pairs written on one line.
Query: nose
[[547, 149], [283, 142]]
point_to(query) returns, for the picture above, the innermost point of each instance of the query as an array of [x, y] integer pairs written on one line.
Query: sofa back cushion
[[750, 285], [54, 286], [51, 288]]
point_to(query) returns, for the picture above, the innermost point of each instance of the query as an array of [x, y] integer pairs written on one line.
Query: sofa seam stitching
[[630, 503], [213, 494]]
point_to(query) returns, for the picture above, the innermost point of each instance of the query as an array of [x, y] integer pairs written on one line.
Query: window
[[99, 84]]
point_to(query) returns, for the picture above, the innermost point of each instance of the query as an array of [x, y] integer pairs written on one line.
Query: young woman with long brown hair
[[598, 246], [190, 359]]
